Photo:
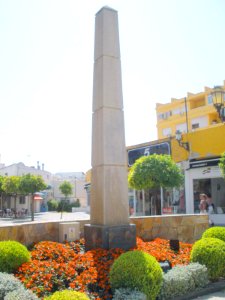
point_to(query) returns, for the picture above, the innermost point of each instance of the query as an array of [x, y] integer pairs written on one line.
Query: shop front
[[153, 202], [204, 177]]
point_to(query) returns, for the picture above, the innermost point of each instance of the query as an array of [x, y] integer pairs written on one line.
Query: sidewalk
[[213, 296], [213, 291], [46, 216]]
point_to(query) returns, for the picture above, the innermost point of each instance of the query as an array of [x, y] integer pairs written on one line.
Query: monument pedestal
[[108, 237]]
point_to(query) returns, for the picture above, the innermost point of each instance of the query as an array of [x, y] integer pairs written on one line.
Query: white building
[[19, 169], [77, 180]]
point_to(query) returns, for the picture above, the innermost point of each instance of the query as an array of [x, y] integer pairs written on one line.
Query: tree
[[11, 186], [154, 171], [1, 190], [66, 189], [31, 184], [222, 164]]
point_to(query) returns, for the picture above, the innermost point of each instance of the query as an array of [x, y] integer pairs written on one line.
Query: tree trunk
[[157, 202], [32, 207], [15, 206], [62, 208]]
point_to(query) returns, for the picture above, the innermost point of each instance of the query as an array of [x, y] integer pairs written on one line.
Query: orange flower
[[56, 266]]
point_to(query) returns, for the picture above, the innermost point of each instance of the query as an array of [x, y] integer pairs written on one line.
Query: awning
[[38, 198]]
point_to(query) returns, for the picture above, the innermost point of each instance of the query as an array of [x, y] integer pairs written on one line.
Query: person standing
[[203, 204], [210, 205]]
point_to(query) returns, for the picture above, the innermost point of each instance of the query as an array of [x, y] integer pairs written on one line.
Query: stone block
[[186, 234], [69, 231], [109, 205], [107, 73], [199, 229], [108, 237], [106, 33], [108, 140]]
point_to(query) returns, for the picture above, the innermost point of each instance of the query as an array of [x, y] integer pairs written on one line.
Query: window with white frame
[[210, 99], [181, 127], [165, 115], [166, 131], [199, 122], [179, 111]]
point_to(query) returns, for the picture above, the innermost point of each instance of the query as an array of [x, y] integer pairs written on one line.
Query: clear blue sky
[[168, 48]]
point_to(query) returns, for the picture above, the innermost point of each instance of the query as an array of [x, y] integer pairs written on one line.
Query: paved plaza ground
[[213, 296], [46, 216]]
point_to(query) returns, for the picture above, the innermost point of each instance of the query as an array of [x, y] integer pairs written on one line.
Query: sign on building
[[161, 148]]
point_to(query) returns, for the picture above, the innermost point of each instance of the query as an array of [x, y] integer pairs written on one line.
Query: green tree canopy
[[154, 171], [222, 164], [66, 188], [11, 186], [31, 184], [1, 184]]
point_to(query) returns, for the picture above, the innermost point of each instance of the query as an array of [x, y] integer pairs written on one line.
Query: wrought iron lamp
[[218, 95], [178, 137]]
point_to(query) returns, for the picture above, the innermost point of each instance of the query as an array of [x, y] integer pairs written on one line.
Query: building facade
[[186, 114], [77, 180], [24, 203], [202, 130]]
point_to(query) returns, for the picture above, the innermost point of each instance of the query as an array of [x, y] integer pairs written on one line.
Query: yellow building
[[186, 114], [198, 153], [200, 167], [199, 150]]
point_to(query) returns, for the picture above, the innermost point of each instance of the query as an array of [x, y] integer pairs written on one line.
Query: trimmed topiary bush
[[137, 270], [215, 232], [67, 295], [8, 283], [12, 255], [52, 205], [211, 253], [176, 282], [124, 294], [199, 273], [20, 294]]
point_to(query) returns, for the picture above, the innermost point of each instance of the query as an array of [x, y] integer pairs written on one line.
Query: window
[[210, 99], [182, 127], [165, 115], [199, 122], [167, 132], [22, 200], [179, 111], [195, 126]]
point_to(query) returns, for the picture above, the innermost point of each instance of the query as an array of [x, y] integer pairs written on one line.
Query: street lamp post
[[218, 94]]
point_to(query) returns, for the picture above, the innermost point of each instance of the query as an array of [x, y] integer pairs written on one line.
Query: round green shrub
[[211, 253], [52, 205], [124, 294], [199, 273], [215, 232], [67, 294], [12, 255], [8, 283], [21, 293], [176, 282], [137, 270]]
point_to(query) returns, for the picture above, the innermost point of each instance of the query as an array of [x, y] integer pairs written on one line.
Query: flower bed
[[56, 266]]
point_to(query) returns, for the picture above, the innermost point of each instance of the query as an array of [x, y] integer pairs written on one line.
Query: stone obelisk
[[110, 226]]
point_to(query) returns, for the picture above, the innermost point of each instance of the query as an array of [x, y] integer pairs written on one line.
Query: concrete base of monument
[[108, 237]]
